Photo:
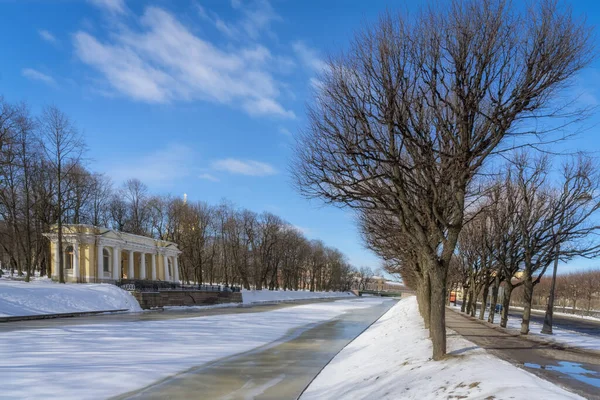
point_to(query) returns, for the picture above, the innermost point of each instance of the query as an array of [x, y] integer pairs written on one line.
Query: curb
[[59, 315], [532, 338]]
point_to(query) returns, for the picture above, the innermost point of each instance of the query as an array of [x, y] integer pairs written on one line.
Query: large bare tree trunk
[[424, 299], [506, 304], [472, 301], [437, 320], [465, 294], [484, 302], [61, 263], [494, 299], [527, 297]]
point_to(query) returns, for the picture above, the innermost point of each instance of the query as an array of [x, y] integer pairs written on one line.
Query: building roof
[[91, 230]]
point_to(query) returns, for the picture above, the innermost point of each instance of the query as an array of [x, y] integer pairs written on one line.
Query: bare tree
[[135, 193], [405, 119], [21, 155], [64, 148], [555, 221], [100, 195]]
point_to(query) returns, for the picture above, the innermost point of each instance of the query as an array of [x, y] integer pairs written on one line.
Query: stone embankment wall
[[149, 300]]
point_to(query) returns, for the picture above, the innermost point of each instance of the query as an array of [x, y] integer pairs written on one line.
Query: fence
[[162, 286]]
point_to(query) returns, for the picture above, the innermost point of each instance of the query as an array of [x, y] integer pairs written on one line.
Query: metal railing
[[163, 286]]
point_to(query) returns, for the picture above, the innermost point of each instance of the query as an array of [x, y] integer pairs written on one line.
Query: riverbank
[[391, 360]]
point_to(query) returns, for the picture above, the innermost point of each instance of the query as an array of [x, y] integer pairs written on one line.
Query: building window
[[69, 257], [106, 260], [170, 268]]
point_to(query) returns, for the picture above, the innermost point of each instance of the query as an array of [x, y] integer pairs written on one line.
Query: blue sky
[[199, 97]]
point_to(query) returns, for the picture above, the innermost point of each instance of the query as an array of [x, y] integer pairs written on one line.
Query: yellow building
[[94, 254]]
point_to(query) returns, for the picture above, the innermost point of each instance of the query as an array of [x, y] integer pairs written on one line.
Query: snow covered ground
[[266, 296], [43, 297], [391, 360], [102, 360], [562, 336]]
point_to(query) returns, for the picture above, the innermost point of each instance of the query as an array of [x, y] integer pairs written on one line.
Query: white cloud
[[158, 168], [244, 167], [208, 177], [35, 75], [308, 57], [284, 131], [47, 36], [302, 230], [112, 6], [256, 17], [265, 106], [166, 62]]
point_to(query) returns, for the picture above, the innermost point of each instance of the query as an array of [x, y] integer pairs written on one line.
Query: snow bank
[[40, 297], [103, 360], [391, 360], [263, 296]]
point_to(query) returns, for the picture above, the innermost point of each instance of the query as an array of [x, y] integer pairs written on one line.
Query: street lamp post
[[547, 328]]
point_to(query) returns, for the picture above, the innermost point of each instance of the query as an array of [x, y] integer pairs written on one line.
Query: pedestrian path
[[575, 371]]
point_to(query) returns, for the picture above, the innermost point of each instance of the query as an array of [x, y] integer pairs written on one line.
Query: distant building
[[95, 254], [378, 284]]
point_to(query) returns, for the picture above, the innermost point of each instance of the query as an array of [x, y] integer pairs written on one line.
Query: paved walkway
[[570, 323], [575, 371]]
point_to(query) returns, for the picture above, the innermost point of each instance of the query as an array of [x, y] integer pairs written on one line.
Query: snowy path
[[577, 371], [102, 360], [560, 335], [391, 360]]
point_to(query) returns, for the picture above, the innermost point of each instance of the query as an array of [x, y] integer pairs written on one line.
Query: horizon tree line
[[44, 181]]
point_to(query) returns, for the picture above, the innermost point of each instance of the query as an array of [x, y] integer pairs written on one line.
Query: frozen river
[[248, 351], [279, 370]]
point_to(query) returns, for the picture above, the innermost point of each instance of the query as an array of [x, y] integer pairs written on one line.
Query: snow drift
[[38, 298]]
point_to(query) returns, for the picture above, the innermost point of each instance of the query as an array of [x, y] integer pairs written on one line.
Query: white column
[[130, 265], [166, 267], [99, 268], [56, 260], [176, 266], [153, 266], [75, 260], [116, 263], [142, 265]]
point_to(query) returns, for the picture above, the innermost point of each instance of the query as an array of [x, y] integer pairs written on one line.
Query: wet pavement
[[575, 371], [280, 370]]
